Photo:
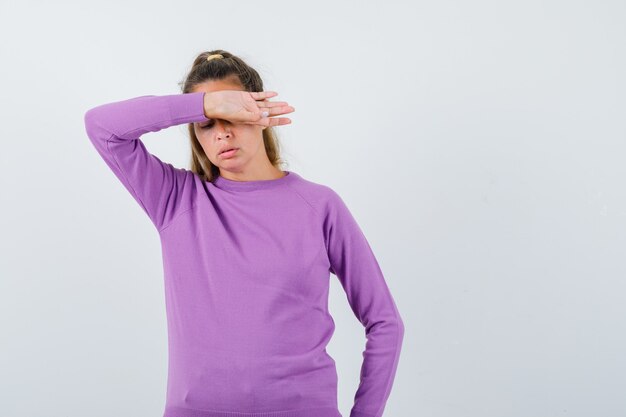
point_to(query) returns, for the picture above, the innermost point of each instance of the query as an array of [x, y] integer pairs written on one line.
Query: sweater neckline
[[234, 185]]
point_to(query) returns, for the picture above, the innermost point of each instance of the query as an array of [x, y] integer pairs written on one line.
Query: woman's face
[[215, 135]]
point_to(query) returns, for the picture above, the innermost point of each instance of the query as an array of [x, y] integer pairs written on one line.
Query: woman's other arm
[[356, 267]]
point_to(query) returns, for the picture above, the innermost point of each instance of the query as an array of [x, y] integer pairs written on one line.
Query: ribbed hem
[[171, 411], [356, 413]]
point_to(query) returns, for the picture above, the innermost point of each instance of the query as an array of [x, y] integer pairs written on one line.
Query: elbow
[[400, 325], [389, 325], [89, 116], [97, 133], [89, 119]]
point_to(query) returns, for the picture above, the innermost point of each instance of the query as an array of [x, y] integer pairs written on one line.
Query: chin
[[231, 165]]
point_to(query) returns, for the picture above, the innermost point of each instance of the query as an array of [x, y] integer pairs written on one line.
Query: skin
[[235, 121]]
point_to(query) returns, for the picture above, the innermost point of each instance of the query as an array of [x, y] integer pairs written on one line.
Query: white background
[[480, 146]]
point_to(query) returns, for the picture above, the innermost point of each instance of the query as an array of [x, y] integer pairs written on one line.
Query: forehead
[[216, 85]]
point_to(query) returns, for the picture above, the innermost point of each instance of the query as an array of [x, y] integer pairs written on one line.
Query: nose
[[223, 130]]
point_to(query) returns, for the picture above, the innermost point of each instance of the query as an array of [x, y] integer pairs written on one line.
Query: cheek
[[205, 143], [250, 138]]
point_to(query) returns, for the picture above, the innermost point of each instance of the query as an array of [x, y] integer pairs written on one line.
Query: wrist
[[209, 105]]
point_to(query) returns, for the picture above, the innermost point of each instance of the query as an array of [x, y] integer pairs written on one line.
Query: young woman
[[248, 249]]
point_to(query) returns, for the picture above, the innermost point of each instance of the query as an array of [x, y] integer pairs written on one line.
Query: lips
[[227, 149]]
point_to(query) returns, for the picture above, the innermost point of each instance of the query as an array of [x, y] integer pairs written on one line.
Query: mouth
[[228, 151]]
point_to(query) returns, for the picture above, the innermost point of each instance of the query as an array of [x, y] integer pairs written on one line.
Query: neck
[[265, 172]]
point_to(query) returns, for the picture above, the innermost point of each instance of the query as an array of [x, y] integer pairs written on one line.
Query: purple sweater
[[246, 269]]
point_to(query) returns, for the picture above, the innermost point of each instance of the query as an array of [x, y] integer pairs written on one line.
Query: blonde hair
[[218, 69]]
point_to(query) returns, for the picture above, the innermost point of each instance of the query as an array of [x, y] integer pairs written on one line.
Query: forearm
[[378, 370], [131, 118]]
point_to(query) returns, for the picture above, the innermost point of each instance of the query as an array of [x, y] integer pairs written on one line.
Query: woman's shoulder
[[320, 195]]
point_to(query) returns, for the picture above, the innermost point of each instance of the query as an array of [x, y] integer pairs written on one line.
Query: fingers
[[272, 108], [278, 109], [282, 121], [265, 103], [271, 103], [278, 121], [262, 95], [268, 122]]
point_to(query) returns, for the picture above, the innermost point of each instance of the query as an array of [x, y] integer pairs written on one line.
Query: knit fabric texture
[[246, 267]]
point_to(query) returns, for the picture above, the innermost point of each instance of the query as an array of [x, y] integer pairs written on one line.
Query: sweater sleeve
[[115, 129], [354, 264]]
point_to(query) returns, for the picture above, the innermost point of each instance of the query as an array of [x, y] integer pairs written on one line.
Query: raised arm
[[115, 129], [356, 267]]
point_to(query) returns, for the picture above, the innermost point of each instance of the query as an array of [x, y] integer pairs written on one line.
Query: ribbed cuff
[[187, 108]]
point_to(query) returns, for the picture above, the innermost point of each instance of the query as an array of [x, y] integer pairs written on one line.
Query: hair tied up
[[214, 56]]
